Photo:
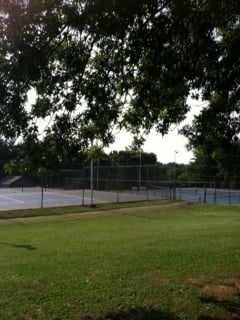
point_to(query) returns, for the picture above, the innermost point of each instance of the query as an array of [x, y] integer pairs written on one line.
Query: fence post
[[83, 186], [204, 194], [91, 183], [147, 184], [229, 195], [42, 190], [215, 193], [118, 183]]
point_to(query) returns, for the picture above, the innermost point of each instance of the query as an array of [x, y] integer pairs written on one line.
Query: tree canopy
[[100, 63]]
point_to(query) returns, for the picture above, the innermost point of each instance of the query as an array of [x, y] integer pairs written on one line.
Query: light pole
[[91, 183], [140, 169], [91, 177], [175, 162]]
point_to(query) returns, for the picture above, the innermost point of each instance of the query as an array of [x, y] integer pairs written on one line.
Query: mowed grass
[[75, 209], [170, 262]]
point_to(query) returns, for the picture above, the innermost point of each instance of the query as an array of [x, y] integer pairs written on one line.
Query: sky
[[171, 147]]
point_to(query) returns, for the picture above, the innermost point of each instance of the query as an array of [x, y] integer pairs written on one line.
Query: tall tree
[[95, 64], [7, 153]]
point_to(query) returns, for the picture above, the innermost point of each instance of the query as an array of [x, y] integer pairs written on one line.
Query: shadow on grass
[[138, 314], [230, 306], [19, 246]]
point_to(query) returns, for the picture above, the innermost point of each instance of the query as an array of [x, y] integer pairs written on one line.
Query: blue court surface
[[208, 195], [28, 198], [14, 198]]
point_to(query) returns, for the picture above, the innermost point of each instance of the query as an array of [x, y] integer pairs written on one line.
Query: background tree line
[[202, 168]]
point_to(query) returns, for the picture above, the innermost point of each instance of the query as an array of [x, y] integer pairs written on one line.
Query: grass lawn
[[76, 209], [159, 263]]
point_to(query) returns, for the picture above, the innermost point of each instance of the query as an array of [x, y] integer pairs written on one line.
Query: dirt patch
[[196, 282], [222, 298], [3, 300], [233, 282], [220, 292], [226, 288]]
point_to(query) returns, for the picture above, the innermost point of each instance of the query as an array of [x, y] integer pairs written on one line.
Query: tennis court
[[208, 195], [28, 198]]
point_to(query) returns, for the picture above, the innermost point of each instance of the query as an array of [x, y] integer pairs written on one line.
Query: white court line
[[11, 199], [74, 197], [62, 195]]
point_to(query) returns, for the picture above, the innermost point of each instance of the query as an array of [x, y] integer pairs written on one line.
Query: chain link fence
[[98, 184]]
